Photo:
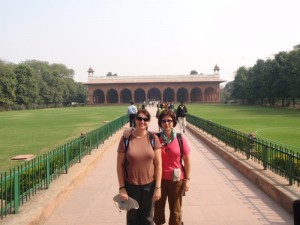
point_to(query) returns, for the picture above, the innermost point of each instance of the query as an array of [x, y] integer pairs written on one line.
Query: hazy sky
[[148, 37]]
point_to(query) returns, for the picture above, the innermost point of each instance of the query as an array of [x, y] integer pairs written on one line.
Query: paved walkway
[[218, 195]]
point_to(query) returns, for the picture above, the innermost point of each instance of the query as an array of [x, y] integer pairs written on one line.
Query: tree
[[55, 82], [81, 93], [26, 89], [45, 94], [57, 88], [272, 80], [257, 81], [239, 84], [270, 74], [281, 83], [34, 83], [41, 73], [226, 92], [193, 72], [62, 71], [7, 86], [293, 73], [297, 47]]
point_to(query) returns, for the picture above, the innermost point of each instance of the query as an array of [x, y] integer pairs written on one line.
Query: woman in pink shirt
[[175, 176]]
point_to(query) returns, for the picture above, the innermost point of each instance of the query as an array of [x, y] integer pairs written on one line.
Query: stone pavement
[[219, 194]]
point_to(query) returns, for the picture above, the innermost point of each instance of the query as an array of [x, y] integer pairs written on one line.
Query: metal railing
[[19, 184], [274, 157]]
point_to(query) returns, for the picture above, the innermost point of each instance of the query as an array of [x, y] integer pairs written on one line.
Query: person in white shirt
[[131, 112]]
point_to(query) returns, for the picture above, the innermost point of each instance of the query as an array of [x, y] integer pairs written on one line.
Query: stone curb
[[273, 185]]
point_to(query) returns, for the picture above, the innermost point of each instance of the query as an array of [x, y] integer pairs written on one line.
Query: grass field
[[38, 131], [278, 125]]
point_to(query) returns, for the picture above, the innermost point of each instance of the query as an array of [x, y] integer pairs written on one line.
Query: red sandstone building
[[123, 89]]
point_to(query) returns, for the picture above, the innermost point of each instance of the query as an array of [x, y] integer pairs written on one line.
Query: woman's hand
[[123, 194], [127, 132], [156, 194], [186, 185]]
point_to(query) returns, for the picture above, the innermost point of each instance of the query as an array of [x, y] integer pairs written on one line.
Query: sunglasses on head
[[166, 121], [145, 119]]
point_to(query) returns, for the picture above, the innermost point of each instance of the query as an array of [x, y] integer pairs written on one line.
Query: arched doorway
[[168, 95], [125, 96], [139, 95], [196, 95], [182, 95], [154, 94], [209, 95], [98, 97], [112, 96]]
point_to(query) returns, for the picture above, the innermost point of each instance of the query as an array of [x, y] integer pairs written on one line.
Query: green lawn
[[38, 131], [279, 125]]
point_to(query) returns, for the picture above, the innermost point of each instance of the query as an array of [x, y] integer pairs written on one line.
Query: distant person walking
[[131, 112], [181, 116], [158, 111], [171, 106]]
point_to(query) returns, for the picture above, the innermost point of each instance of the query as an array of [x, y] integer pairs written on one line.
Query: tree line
[[36, 84], [269, 82]]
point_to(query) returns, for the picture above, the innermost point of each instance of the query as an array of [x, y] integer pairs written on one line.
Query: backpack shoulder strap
[[126, 143], [179, 138], [152, 139]]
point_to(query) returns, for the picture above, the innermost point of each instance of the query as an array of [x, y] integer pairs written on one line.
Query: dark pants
[[132, 120], [171, 191], [143, 195]]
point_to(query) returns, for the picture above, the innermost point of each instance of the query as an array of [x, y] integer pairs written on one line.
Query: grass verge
[[38, 131]]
